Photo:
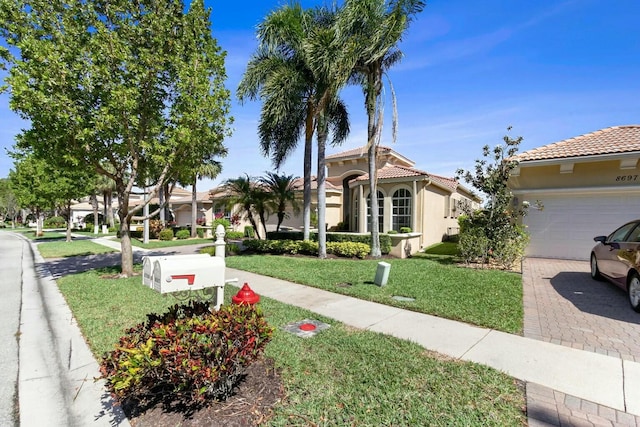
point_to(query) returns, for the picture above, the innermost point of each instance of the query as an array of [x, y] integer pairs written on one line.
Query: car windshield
[[621, 233]]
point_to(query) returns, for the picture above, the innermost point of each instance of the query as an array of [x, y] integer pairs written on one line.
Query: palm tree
[[292, 89], [282, 193], [377, 26], [205, 170], [242, 191]]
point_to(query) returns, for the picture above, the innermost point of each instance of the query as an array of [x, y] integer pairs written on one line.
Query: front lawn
[[343, 376], [63, 249], [487, 298], [155, 244]]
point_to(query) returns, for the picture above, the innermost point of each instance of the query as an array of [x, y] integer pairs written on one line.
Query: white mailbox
[[148, 263], [175, 273]]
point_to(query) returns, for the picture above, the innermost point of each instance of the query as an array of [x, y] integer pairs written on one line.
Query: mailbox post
[[219, 243]]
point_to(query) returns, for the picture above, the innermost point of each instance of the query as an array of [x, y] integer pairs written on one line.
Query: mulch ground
[[250, 405]]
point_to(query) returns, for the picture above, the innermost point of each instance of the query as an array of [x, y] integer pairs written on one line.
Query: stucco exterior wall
[[592, 174]]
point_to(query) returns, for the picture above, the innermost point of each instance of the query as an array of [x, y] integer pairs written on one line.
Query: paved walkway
[[563, 305]]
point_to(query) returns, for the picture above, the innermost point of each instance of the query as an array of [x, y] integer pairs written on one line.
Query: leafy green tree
[[499, 220], [8, 203], [41, 186], [377, 26], [280, 74], [281, 191], [132, 90]]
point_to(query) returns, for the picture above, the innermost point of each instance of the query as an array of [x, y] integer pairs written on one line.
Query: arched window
[[401, 212], [380, 210]]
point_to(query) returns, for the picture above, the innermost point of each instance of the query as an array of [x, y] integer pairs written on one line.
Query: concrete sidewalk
[[57, 372], [598, 378]]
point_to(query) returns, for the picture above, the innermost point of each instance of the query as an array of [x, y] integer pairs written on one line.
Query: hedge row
[[385, 240], [308, 247]]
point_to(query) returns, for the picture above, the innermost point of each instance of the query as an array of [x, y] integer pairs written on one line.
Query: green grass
[[343, 376], [487, 298], [63, 249], [444, 248], [30, 233], [155, 244]]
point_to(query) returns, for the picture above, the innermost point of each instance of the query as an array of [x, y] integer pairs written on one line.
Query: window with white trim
[[401, 211]]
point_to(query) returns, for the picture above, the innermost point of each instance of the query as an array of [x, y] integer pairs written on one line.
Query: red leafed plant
[[187, 355]]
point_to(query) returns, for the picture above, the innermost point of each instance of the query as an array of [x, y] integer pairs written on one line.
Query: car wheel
[[634, 292], [595, 271]]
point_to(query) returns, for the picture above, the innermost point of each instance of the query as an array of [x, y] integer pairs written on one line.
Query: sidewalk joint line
[[475, 344]]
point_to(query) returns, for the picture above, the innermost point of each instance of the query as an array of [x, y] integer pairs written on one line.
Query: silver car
[[616, 257]]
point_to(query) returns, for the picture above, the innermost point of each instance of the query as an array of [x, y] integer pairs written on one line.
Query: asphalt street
[[12, 251]]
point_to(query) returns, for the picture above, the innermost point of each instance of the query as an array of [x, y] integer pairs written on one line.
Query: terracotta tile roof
[[298, 184], [201, 196], [616, 139], [395, 171], [358, 152]]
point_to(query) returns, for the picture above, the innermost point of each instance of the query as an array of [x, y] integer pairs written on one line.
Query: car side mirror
[[601, 239]]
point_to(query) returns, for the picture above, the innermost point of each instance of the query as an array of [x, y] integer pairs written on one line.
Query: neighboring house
[[181, 208], [407, 197], [427, 204], [577, 189]]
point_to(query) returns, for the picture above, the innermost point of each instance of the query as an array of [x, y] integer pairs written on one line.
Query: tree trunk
[[110, 219], [322, 202], [39, 223], [126, 252], [94, 205], [373, 89], [194, 209], [68, 239], [306, 195], [373, 186]]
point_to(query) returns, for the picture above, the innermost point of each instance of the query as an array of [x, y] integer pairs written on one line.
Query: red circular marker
[[307, 327]]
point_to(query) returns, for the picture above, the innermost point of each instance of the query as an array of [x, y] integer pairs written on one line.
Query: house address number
[[623, 178]]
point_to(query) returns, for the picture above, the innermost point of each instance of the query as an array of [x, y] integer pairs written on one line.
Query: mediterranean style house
[[427, 204], [577, 189]]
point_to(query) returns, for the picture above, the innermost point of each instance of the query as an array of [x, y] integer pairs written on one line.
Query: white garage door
[[567, 224]]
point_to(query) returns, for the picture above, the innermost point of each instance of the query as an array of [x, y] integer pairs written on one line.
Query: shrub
[[249, 232], [405, 229], [510, 246], [187, 355], [349, 249], [392, 232], [234, 235], [232, 249], [200, 232], [181, 235], [225, 223], [211, 250], [55, 222], [473, 245], [155, 227], [167, 234]]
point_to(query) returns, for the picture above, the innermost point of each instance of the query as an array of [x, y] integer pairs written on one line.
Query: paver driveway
[[563, 305]]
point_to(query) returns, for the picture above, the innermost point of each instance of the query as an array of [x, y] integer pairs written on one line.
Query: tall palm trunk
[[94, 205], [322, 200], [374, 83], [308, 148]]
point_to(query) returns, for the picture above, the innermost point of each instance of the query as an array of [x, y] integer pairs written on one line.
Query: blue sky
[[551, 69]]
